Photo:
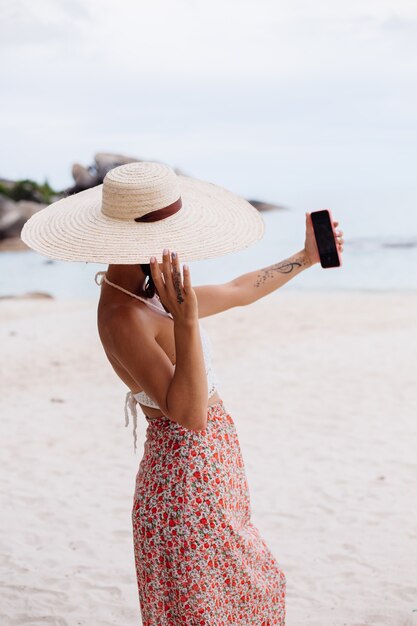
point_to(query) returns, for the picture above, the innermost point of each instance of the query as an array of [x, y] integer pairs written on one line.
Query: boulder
[[106, 161], [11, 218], [27, 208], [83, 177], [265, 206], [14, 214], [180, 172]]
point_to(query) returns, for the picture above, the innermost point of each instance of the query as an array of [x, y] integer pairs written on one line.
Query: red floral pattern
[[200, 561]]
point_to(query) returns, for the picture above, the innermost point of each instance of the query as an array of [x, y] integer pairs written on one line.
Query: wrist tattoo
[[177, 286], [284, 267]]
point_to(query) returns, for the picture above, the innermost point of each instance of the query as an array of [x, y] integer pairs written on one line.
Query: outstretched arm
[[259, 283], [251, 286]]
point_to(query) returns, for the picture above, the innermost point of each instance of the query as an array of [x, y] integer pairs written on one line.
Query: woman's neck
[[130, 277]]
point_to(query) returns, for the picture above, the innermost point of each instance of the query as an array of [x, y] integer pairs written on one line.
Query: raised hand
[[175, 292]]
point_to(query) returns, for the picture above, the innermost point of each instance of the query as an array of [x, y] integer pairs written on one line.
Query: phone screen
[[326, 244]]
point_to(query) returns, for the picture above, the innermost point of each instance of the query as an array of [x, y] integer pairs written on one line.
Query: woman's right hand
[[175, 293]]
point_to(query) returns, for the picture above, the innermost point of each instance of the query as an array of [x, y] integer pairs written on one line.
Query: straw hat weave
[[139, 209]]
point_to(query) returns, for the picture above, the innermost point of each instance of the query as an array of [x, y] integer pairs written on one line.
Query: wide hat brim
[[212, 222]]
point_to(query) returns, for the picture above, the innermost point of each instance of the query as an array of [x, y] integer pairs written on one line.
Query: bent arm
[[181, 392], [188, 391]]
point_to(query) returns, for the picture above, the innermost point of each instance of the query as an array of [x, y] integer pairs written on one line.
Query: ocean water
[[370, 262]]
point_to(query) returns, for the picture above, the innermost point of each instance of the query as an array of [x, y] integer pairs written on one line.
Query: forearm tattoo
[[177, 286], [284, 267]]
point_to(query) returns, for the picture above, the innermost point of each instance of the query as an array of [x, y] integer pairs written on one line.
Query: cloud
[[25, 24], [399, 23]]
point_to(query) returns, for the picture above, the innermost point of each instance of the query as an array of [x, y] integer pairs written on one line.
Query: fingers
[[157, 275], [167, 271], [176, 278], [169, 280], [338, 235], [180, 285], [176, 270], [187, 278], [339, 240]]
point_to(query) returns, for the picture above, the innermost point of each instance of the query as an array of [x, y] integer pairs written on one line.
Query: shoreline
[[365, 272], [41, 295]]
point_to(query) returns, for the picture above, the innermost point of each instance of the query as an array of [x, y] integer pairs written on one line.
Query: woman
[[199, 558]]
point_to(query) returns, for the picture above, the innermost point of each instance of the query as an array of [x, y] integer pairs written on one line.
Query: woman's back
[[160, 328]]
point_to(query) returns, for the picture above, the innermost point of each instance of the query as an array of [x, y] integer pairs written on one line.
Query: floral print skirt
[[199, 559]]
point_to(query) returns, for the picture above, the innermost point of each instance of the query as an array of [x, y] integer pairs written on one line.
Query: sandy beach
[[322, 389]]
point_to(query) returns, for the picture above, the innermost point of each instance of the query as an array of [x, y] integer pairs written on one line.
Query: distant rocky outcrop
[[264, 206], [30, 295], [92, 175], [21, 199]]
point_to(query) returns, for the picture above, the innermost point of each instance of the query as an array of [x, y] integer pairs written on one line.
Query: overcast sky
[[288, 101]]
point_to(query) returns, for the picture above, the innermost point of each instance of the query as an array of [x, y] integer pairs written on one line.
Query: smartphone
[[325, 238]]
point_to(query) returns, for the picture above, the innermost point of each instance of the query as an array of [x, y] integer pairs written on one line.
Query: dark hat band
[[160, 214]]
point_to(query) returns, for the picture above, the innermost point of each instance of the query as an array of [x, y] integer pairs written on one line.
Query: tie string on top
[[130, 403]]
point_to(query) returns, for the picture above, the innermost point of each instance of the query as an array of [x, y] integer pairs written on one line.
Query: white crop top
[[143, 397]]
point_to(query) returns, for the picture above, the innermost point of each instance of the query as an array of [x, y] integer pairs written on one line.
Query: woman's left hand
[[310, 246]]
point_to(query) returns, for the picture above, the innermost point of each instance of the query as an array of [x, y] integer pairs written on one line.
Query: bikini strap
[[99, 278]]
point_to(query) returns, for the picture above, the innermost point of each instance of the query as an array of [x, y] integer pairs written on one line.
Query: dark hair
[[149, 284]]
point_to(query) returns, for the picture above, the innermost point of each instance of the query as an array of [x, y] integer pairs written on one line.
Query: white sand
[[322, 388]]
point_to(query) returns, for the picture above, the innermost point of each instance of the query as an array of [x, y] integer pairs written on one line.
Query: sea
[[372, 261]]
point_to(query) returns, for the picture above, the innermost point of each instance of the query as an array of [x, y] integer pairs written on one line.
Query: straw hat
[[139, 209]]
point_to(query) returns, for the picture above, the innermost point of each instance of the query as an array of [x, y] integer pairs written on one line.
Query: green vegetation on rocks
[[28, 189]]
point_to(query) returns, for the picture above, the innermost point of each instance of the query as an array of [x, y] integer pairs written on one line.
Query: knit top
[[143, 397]]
